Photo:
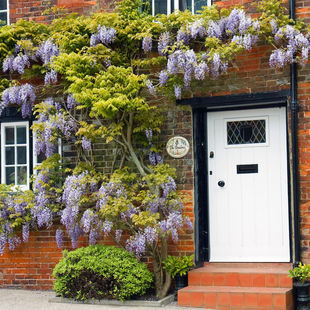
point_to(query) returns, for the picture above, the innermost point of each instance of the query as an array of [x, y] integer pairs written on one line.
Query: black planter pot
[[180, 282], [302, 296]]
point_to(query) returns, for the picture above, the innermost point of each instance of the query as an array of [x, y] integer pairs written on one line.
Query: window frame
[[7, 11], [176, 6], [15, 124]]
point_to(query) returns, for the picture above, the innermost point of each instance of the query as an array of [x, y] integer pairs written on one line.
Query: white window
[[4, 13], [168, 6], [15, 166]]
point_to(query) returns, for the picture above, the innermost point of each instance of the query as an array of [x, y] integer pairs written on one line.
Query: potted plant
[[178, 267], [300, 275]]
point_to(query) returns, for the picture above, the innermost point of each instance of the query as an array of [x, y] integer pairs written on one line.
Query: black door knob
[[221, 183]]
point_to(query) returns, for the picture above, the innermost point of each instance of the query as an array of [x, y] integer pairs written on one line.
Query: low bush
[[99, 271]]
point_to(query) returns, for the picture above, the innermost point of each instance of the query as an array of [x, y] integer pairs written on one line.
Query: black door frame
[[200, 107]]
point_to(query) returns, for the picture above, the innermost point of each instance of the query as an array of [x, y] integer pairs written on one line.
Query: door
[[248, 190]]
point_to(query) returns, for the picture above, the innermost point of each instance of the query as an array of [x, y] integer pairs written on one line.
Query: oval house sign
[[177, 147]]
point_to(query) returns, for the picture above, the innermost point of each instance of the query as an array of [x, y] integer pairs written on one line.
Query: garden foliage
[[97, 272], [88, 80]]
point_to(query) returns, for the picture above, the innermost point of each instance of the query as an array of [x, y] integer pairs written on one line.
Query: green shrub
[[178, 265], [97, 272]]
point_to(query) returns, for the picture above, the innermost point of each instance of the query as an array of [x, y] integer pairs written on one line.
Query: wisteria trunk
[[162, 277]]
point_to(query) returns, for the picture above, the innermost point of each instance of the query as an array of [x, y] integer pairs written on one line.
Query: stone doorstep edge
[[136, 303]]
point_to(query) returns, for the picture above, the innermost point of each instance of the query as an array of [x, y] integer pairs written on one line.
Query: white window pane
[[9, 175], [21, 155], [21, 175], [9, 135], [10, 155], [21, 135]]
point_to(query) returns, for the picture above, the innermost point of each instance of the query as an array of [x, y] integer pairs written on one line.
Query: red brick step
[[236, 298], [242, 275]]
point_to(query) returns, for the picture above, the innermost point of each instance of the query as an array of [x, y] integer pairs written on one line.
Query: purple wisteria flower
[[163, 78], [86, 144], [214, 30], [107, 227], [7, 65], [74, 189], [23, 96], [277, 58], [13, 242], [25, 232], [183, 36], [71, 102], [155, 158], [136, 244], [150, 87], [197, 29], [163, 43], [86, 220], [151, 234], [59, 238], [105, 35], [201, 70], [168, 187], [274, 26], [50, 77], [118, 234], [149, 135], [75, 232], [3, 241], [20, 63], [147, 44], [256, 25], [177, 92], [47, 51], [93, 236]]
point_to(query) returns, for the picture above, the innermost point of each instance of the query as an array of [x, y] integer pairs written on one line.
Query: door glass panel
[[21, 155], [21, 175], [10, 155], [246, 132], [9, 135], [10, 175], [21, 135]]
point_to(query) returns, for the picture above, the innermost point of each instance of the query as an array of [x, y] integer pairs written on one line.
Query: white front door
[[248, 190]]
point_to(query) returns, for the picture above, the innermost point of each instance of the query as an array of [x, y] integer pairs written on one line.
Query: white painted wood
[[249, 220], [15, 145]]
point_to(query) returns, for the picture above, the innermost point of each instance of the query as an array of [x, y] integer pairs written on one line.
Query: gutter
[[294, 143]]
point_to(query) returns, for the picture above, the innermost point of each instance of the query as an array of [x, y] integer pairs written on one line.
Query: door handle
[[221, 183]]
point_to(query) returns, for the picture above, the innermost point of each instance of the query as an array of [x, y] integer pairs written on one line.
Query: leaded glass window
[[246, 132]]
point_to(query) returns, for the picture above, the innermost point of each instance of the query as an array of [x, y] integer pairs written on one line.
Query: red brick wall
[[33, 9]]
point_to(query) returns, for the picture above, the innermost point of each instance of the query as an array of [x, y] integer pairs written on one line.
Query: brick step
[[236, 298], [246, 275]]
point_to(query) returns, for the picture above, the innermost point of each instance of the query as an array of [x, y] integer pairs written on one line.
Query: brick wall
[[33, 9]]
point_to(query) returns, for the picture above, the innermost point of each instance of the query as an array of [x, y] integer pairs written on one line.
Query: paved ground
[[37, 300]]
